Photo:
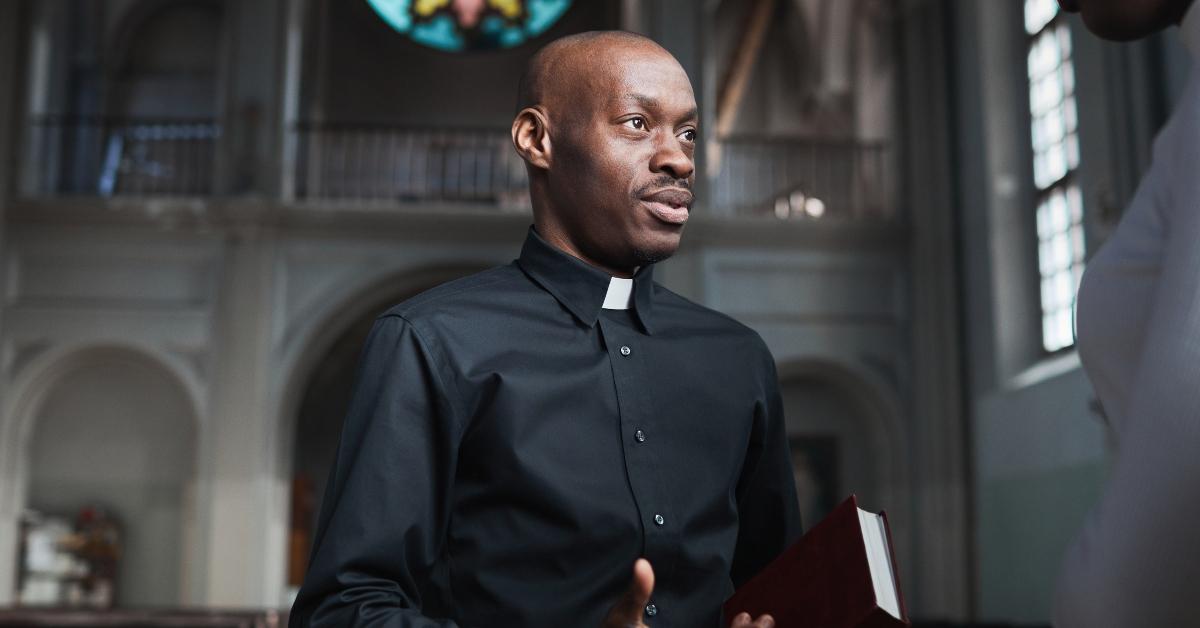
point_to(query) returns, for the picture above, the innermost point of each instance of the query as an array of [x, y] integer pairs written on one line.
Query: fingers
[[743, 620], [628, 609]]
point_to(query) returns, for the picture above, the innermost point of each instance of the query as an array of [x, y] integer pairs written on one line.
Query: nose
[[670, 159]]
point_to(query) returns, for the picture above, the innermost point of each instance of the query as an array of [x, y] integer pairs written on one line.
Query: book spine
[[887, 529]]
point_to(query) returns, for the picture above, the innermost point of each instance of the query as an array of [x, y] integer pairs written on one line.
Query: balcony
[[380, 164], [802, 178], [396, 168], [135, 157]]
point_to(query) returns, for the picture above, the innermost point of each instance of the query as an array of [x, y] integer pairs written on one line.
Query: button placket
[[636, 409]]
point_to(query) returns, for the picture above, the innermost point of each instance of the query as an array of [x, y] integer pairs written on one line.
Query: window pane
[[1038, 14]]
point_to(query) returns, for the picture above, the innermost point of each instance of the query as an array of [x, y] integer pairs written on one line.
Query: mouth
[[670, 206]]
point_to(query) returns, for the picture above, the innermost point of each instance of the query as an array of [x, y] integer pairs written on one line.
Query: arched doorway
[[840, 442], [116, 432], [324, 395]]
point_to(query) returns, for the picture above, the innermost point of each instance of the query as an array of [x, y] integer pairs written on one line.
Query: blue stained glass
[[468, 25], [439, 32]]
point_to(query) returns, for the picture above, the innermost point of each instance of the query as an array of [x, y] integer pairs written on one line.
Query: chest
[[1115, 298], [588, 413]]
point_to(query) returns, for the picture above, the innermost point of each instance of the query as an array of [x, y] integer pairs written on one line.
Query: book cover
[[840, 574]]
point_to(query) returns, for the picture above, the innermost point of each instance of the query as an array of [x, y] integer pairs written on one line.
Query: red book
[[840, 574]]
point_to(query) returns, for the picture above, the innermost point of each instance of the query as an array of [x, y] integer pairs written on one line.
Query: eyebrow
[[652, 103]]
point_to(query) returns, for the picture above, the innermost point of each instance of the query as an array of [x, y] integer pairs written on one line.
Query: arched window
[[164, 103]]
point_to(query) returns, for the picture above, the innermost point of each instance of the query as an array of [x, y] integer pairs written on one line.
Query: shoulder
[[694, 318], [433, 318], [459, 295]]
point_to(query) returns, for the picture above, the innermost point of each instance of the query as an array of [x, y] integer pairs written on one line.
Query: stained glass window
[[463, 25], [1055, 139]]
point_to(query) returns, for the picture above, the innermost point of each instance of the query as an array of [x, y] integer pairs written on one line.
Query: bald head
[[606, 123], [555, 72]]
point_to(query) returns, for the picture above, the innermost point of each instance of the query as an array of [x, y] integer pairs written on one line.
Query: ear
[[531, 137]]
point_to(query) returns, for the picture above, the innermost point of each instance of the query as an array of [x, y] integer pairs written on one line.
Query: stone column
[[9, 89], [244, 546], [289, 110], [941, 555], [248, 154]]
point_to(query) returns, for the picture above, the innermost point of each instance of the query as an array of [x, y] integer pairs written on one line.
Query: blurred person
[[1137, 560], [561, 441]]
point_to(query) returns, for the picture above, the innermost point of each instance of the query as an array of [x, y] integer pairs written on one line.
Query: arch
[[137, 28], [32, 389], [123, 33], [316, 332], [887, 439], [311, 339]]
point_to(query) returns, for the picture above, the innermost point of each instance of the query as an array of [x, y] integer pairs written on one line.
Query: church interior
[[205, 203]]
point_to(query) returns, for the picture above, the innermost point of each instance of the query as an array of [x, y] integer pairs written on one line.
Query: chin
[[656, 248]]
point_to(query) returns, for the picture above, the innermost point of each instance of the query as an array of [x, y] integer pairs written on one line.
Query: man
[[1136, 561], [561, 441]]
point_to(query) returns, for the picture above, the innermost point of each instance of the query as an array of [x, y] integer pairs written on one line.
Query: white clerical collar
[[620, 294], [1189, 29]]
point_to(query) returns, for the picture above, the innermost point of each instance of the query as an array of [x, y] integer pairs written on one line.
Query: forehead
[[647, 74]]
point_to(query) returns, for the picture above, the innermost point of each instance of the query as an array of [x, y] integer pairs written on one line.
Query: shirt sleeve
[[383, 519], [1136, 561], [768, 510]]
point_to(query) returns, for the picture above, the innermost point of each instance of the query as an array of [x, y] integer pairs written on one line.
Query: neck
[[558, 237]]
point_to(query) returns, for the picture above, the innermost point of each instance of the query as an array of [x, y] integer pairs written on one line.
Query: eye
[[638, 123], [689, 135]]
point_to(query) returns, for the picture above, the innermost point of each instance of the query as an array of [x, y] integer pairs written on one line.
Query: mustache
[[663, 183]]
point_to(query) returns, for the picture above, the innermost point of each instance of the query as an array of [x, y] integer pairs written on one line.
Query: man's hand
[[627, 611], [742, 620]]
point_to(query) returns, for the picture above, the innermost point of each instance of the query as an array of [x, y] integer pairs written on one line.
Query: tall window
[[1055, 136]]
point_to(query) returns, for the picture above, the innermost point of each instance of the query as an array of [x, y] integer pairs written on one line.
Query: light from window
[[1060, 261], [1038, 14], [1055, 139]]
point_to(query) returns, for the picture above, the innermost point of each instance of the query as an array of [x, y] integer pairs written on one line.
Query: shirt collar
[[579, 286], [619, 295], [1189, 28]]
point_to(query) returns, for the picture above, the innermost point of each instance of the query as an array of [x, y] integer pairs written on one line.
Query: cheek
[[612, 172]]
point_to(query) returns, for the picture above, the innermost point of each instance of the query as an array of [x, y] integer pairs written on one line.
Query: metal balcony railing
[[116, 156], [393, 166], [380, 163], [802, 178], [786, 178]]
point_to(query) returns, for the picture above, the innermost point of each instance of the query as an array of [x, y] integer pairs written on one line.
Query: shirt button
[[651, 610], [626, 351], [639, 436], [658, 519]]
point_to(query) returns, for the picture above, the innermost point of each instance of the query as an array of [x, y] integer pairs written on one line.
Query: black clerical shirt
[[511, 448]]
